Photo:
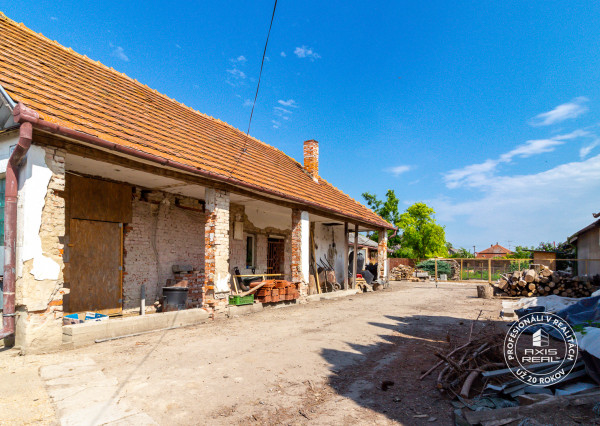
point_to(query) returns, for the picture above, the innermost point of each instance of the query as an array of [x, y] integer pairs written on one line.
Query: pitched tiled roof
[[76, 92], [495, 249]]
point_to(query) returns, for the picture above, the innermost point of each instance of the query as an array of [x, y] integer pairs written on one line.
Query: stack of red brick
[[197, 289], [276, 291]]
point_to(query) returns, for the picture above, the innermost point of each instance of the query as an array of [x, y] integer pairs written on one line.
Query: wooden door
[[275, 256], [95, 267]]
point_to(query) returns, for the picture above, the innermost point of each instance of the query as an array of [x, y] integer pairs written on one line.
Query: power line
[[261, 67], [262, 63]]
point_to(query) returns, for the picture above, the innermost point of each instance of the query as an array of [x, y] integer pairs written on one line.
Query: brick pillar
[[216, 239], [300, 246], [382, 255]]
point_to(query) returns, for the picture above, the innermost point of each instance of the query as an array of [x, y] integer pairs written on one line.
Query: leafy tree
[[521, 252], [388, 210], [463, 253], [421, 235]]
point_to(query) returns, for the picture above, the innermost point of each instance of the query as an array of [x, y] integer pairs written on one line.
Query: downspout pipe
[[24, 114], [10, 228]]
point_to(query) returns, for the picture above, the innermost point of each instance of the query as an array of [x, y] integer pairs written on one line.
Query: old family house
[[108, 184]]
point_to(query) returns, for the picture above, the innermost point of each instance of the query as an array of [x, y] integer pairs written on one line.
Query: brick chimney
[[311, 158]]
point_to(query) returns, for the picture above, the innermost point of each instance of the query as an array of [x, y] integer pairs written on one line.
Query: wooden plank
[[346, 249], [95, 199], [95, 276]]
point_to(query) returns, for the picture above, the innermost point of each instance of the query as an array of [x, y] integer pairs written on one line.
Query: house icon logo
[[541, 339]]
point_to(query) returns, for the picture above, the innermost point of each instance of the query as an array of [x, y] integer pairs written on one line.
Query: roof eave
[[23, 114]]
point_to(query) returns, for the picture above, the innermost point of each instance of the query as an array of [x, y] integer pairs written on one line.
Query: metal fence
[[490, 270]]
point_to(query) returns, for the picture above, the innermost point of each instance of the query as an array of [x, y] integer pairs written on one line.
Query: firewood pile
[[402, 273], [529, 283]]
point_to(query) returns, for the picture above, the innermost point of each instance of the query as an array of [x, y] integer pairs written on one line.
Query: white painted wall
[[305, 231], [329, 240], [34, 177]]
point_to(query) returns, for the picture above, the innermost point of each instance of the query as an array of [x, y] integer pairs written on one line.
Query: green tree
[[463, 253], [521, 252], [422, 237], [388, 210]]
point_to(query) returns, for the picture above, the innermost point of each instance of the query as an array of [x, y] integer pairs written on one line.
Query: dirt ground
[[317, 363]]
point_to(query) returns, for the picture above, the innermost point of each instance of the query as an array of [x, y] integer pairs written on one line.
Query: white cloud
[[398, 170], [276, 124], [585, 150], [248, 103], [236, 73], [119, 52], [289, 103], [282, 54], [177, 46], [53, 18], [566, 111], [280, 112], [306, 52], [527, 209], [240, 59], [481, 174]]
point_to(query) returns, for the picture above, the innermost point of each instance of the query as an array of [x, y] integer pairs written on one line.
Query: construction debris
[[530, 283]]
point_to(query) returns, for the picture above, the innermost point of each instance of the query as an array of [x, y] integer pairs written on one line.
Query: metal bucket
[[174, 298]]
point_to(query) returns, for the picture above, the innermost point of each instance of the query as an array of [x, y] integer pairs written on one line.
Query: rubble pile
[[530, 283]]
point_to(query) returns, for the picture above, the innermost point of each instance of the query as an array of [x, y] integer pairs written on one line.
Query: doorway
[[275, 255]]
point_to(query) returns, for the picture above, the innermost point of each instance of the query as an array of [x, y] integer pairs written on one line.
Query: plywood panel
[[94, 270], [96, 199]]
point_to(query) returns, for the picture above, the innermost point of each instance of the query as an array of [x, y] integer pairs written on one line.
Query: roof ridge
[[135, 81]]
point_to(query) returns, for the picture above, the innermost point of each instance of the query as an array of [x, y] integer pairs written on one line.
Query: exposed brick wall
[[39, 302], [238, 247], [216, 239], [159, 236], [311, 157], [382, 254], [296, 246]]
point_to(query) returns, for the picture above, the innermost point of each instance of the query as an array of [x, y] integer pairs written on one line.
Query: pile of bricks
[[276, 291], [197, 289]]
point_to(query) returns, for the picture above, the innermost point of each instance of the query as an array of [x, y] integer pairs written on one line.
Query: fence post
[[461, 269], [490, 271], [436, 274]]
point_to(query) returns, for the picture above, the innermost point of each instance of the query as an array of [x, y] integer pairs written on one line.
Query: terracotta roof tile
[[74, 91]]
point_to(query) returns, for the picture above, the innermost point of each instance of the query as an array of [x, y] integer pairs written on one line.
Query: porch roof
[[75, 92]]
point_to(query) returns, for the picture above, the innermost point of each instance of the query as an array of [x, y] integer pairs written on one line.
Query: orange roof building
[[494, 251], [122, 190]]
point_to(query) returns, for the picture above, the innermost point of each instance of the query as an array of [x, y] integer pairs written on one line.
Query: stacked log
[[402, 273], [529, 283]]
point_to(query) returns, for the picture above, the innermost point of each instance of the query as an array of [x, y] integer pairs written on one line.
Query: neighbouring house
[[366, 246], [108, 184], [494, 251], [587, 242]]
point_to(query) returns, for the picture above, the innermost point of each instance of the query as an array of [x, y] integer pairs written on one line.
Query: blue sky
[[487, 111]]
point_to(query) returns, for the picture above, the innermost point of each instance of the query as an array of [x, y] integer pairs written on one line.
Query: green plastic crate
[[239, 300]]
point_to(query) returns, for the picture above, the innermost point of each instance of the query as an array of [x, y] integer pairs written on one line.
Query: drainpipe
[[10, 228]]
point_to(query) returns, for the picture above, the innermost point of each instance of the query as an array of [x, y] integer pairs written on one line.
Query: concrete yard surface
[[316, 363]]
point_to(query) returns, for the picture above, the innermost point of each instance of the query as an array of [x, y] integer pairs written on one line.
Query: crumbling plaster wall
[[159, 236], [329, 244], [40, 244], [270, 224]]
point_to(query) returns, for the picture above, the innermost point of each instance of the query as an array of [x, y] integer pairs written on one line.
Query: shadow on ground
[[361, 373]]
